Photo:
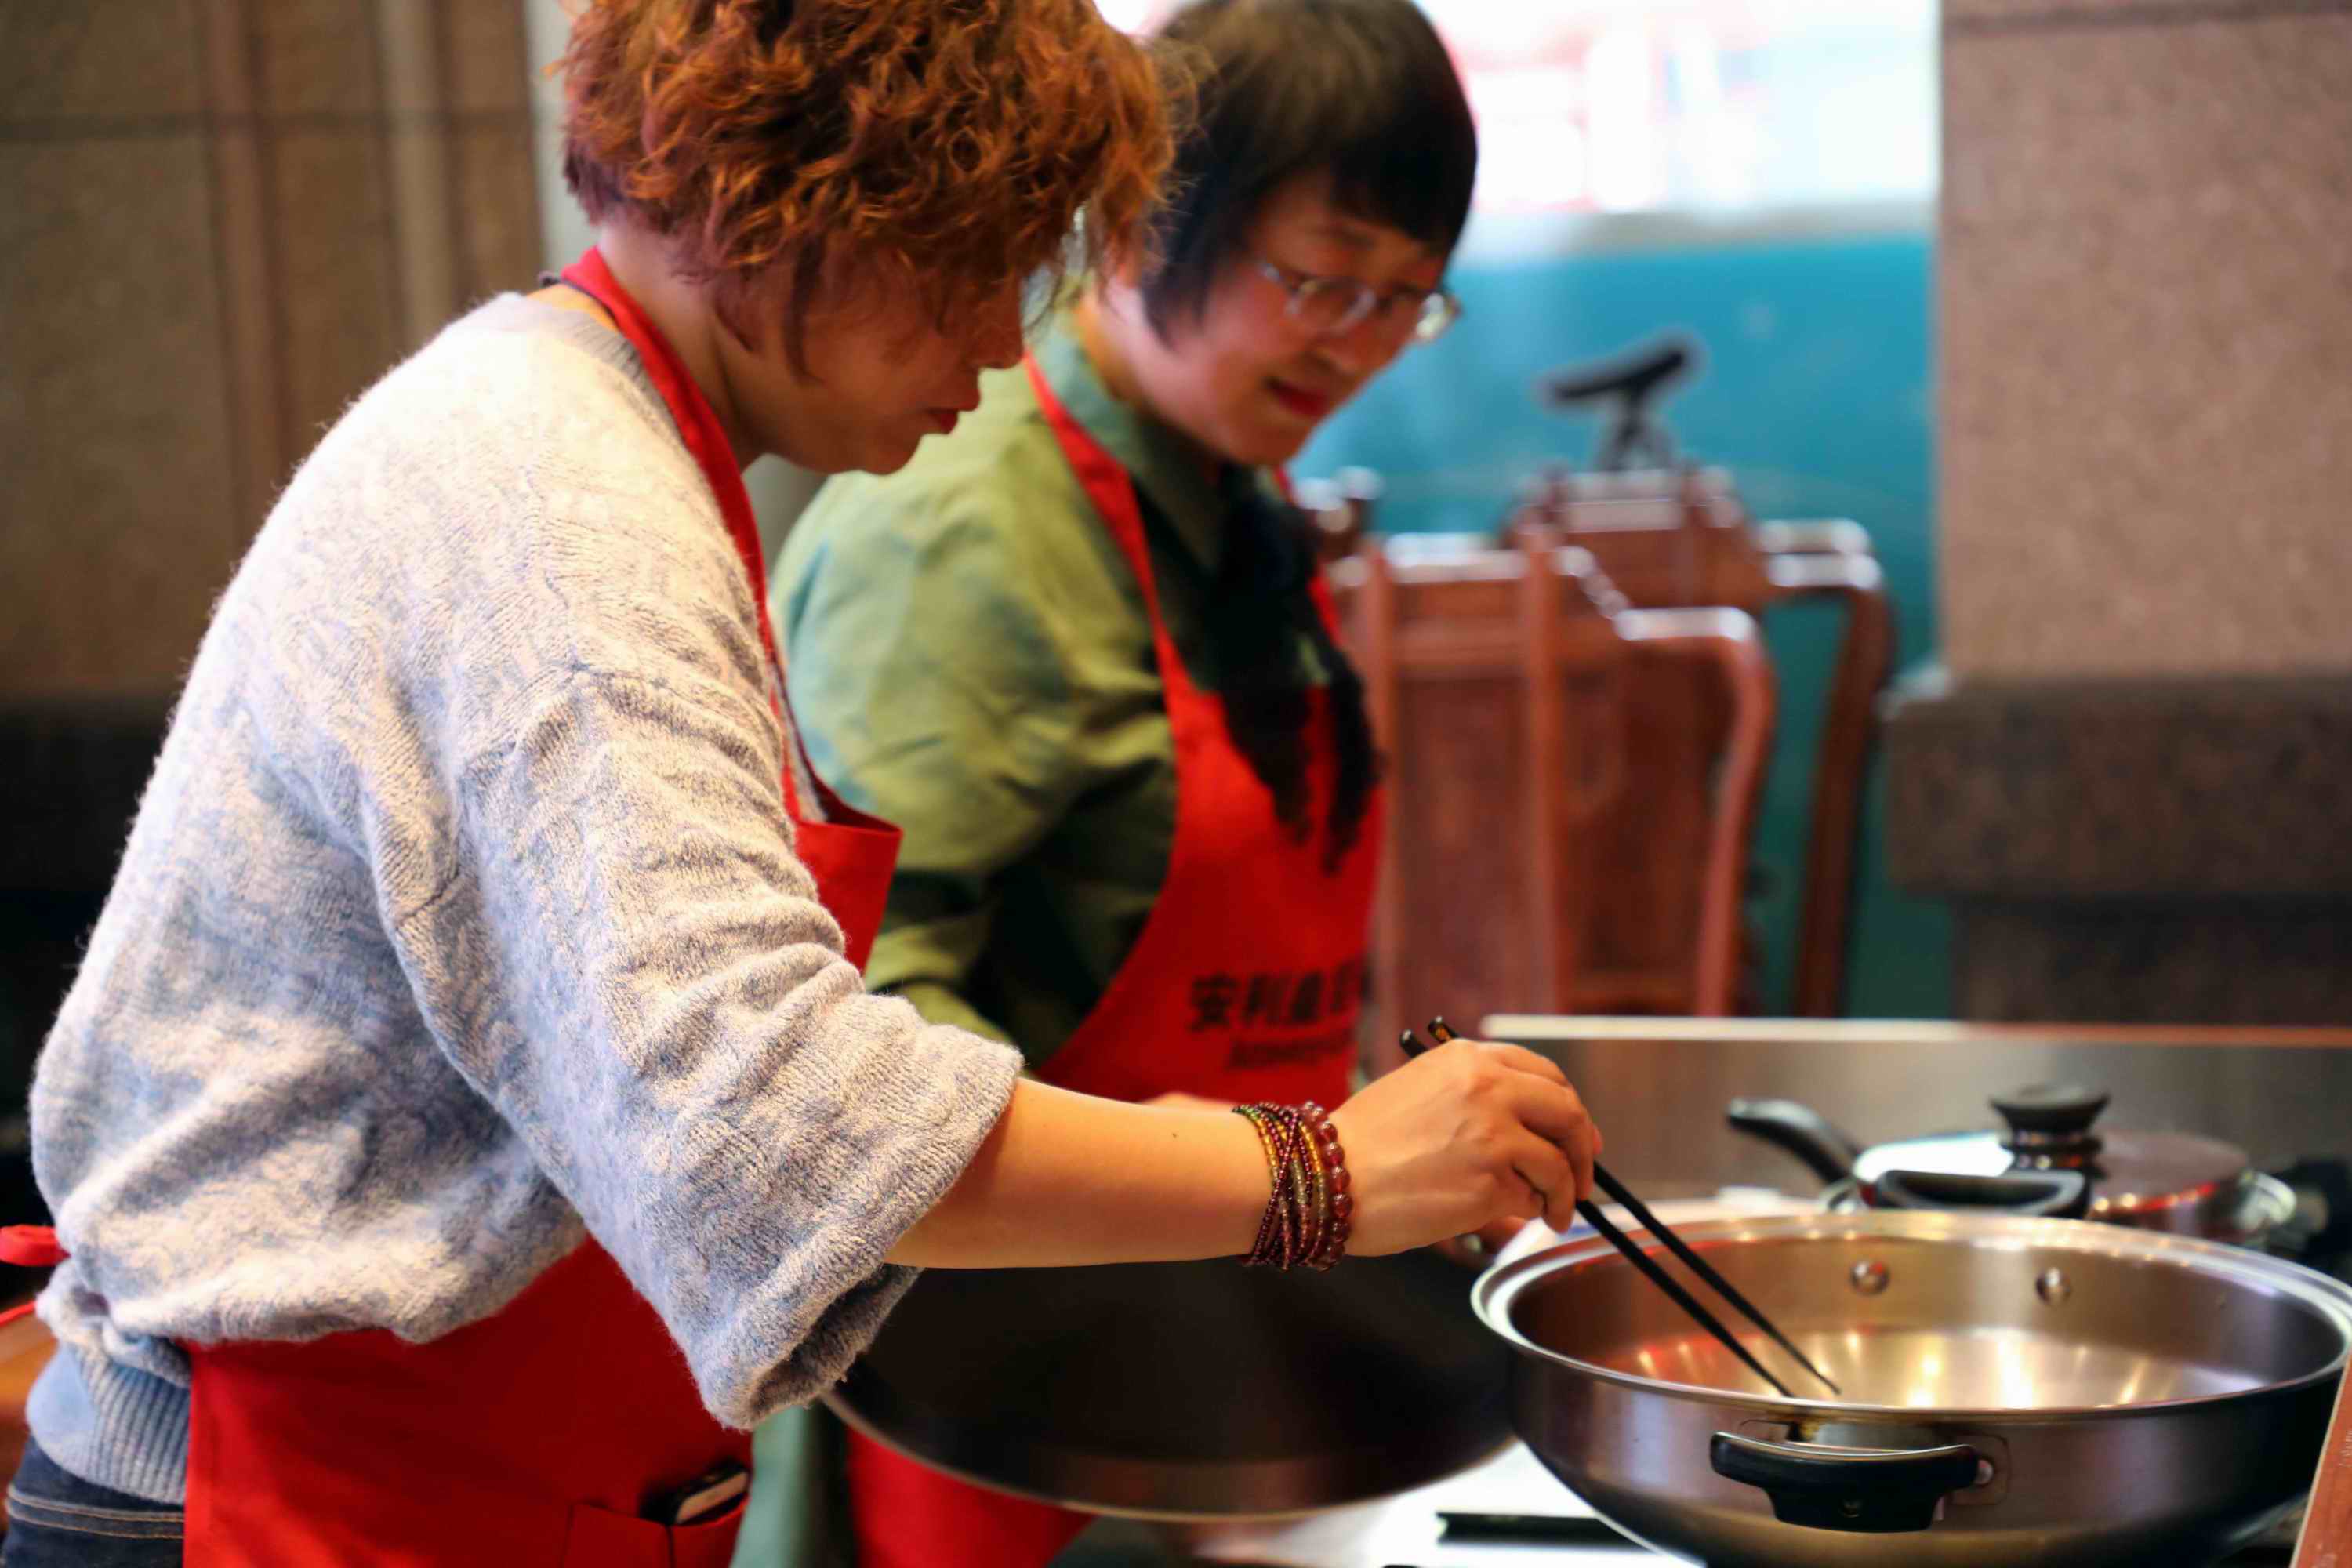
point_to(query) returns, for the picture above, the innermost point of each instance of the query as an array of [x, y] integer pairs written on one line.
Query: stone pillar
[[2134, 776], [220, 220]]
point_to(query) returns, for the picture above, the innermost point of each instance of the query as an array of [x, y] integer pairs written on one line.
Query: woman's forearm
[[1068, 1179], [1452, 1142]]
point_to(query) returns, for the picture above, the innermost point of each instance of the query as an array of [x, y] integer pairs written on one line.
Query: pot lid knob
[[2051, 1115]]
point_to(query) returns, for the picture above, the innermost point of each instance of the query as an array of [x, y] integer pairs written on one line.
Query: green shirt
[[970, 658]]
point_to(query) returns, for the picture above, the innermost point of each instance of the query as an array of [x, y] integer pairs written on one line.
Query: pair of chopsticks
[[1413, 1046]]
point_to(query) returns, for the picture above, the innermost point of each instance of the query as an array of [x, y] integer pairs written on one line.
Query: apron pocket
[[598, 1538], [707, 1542]]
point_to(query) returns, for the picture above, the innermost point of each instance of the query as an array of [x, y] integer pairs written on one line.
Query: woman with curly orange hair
[[468, 1120]]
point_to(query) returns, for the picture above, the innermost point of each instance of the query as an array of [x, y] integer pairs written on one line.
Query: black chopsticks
[[1640, 1260]]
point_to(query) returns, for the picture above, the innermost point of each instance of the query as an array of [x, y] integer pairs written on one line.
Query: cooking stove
[[1506, 1513]]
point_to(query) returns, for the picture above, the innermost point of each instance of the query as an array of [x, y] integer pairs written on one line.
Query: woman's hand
[[1481, 1247], [1469, 1134]]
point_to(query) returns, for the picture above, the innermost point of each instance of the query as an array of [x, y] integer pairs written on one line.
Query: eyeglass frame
[[1300, 286]]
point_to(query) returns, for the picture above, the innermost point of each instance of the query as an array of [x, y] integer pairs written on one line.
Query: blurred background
[[2034, 307]]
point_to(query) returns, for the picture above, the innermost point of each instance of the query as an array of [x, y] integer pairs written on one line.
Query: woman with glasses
[[1096, 683]]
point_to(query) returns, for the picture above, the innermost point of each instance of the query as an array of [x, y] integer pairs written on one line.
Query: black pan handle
[[1801, 1130], [2049, 1125], [1876, 1491], [1554, 1530], [2330, 1181], [2058, 1194]]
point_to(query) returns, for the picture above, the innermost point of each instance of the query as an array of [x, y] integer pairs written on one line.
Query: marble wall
[[220, 219], [2145, 256], [2129, 779]]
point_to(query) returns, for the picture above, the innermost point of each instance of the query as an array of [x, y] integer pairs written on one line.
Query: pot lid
[[2163, 1180]]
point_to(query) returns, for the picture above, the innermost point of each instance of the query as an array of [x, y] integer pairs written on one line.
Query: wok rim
[[1496, 1291]]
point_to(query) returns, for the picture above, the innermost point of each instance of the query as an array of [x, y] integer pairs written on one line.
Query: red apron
[[1244, 984], [538, 1436]]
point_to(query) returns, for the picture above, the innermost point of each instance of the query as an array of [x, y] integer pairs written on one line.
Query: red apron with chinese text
[[1244, 984], [541, 1435]]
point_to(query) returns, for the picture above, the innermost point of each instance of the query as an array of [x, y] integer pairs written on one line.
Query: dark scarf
[[1261, 610]]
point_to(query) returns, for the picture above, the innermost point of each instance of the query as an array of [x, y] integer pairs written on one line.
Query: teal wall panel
[[1816, 392]]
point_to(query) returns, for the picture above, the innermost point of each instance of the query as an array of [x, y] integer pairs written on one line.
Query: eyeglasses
[[1333, 306]]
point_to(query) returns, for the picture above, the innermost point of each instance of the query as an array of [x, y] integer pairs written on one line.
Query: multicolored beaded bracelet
[[1309, 1212]]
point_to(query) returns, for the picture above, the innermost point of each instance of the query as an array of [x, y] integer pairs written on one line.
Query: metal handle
[[2061, 1110], [2329, 1182], [1799, 1129], [1876, 1491], [2062, 1194], [1553, 1530], [2049, 1125]]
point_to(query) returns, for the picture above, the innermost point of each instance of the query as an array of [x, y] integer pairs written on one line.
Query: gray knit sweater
[[461, 913]]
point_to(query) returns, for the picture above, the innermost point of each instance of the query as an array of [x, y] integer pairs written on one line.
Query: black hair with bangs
[[1362, 90]]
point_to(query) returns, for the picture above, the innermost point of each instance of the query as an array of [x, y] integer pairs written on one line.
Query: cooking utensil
[[1188, 1390], [2019, 1392], [1529, 1529], [2155, 1180], [1602, 1223]]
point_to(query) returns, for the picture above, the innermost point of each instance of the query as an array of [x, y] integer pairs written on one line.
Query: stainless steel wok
[[2027, 1392]]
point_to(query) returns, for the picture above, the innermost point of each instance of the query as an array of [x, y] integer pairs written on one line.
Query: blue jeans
[[59, 1521]]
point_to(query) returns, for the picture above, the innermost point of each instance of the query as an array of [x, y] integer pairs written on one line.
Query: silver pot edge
[[1495, 1291]]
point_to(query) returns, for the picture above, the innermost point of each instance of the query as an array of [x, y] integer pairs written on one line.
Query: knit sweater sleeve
[[610, 937], [630, 966]]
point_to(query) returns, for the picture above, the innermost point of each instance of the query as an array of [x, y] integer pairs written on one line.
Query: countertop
[[1407, 1531], [1401, 1532]]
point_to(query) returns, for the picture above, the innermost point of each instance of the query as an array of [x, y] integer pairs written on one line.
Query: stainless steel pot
[[2050, 1160], [2035, 1393]]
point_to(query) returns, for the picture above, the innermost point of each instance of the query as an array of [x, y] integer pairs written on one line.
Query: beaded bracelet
[[1338, 1204], [1310, 1211], [1275, 1240], [1271, 1242]]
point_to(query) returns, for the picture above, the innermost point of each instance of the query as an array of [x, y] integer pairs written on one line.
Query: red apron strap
[[697, 422], [1112, 491], [30, 1247], [705, 441]]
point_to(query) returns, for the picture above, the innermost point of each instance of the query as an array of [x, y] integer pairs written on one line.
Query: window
[[1642, 105]]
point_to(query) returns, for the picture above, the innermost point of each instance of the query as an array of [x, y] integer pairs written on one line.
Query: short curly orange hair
[[958, 139]]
